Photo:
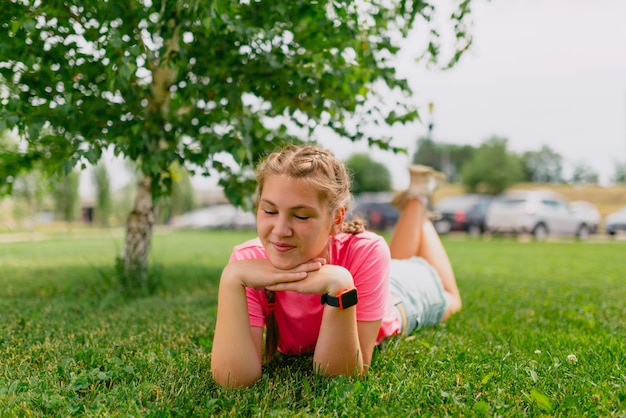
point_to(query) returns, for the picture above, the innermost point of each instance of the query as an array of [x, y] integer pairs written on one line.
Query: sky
[[540, 72]]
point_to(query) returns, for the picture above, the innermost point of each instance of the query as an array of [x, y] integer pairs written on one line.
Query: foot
[[424, 181], [400, 199]]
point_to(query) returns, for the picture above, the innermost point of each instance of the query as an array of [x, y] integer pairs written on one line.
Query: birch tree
[[210, 85]]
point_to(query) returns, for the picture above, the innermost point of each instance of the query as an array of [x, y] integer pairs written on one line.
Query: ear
[[340, 216]]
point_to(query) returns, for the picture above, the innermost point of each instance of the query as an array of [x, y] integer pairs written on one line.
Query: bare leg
[[432, 250], [407, 235], [415, 235]]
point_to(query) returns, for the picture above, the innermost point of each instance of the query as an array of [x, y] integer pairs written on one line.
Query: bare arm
[[236, 356], [344, 346], [338, 349], [368, 332]]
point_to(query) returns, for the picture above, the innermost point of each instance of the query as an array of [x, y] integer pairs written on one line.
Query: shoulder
[[248, 250], [360, 244], [365, 238]]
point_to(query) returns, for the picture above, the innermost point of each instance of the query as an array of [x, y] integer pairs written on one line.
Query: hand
[[261, 274], [330, 279]]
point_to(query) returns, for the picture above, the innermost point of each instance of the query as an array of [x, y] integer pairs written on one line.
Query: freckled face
[[292, 223]]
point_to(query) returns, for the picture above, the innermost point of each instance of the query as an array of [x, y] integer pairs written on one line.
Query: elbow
[[229, 381], [229, 378], [358, 372], [334, 370], [453, 306], [458, 305]]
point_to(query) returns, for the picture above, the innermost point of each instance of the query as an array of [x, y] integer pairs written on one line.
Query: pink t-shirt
[[299, 316]]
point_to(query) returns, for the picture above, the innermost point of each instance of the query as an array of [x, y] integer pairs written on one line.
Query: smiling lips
[[281, 247]]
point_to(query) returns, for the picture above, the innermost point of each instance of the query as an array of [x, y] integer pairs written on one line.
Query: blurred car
[[615, 221], [588, 212], [464, 213], [222, 216], [379, 216], [536, 212]]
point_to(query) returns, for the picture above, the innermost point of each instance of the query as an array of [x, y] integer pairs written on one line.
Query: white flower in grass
[[572, 359], [537, 351]]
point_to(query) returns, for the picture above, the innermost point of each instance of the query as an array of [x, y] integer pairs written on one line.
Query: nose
[[282, 226]]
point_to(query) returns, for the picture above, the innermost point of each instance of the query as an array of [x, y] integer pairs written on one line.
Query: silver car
[[615, 222], [589, 213], [221, 216], [536, 212]]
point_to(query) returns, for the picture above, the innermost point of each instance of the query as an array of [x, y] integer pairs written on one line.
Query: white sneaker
[[424, 180], [400, 199]]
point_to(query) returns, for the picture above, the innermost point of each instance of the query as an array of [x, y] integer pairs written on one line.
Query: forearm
[[338, 348], [235, 359]]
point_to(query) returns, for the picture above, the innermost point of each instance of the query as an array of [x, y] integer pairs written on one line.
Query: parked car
[[222, 216], [464, 213], [380, 216], [615, 221], [588, 212], [537, 212]]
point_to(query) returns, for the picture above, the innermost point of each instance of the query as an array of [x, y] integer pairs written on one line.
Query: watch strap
[[344, 300]]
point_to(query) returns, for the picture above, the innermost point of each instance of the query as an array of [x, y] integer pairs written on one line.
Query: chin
[[283, 263]]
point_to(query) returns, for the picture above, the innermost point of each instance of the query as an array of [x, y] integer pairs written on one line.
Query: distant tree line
[[489, 168], [41, 191]]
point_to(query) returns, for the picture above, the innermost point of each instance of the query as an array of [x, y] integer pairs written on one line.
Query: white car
[[536, 212], [222, 216], [615, 222], [588, 212]]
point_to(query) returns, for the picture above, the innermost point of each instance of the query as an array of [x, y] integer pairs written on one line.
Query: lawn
[[541, 332]]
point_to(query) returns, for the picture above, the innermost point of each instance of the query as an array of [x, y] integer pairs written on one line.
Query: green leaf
[[15, 27], [481, 408], [127, 70], [34, 130], [486, 378], [67, 166], [541, 400]]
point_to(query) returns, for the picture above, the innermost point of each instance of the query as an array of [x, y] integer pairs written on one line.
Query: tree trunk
[[134, 263]]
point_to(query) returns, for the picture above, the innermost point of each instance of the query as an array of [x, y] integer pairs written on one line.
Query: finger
[[310, 266], [281, 287], [287, 282], [289, 277]]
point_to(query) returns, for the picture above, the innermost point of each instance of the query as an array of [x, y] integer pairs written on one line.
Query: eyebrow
[[291, 208]]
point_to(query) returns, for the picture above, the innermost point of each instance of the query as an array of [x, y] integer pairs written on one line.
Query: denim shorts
[[418, 294]]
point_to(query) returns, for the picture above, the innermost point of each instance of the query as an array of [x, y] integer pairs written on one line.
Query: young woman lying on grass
[[323, 286]]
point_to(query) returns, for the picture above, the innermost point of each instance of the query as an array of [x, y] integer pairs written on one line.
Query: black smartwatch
[[344, 300]]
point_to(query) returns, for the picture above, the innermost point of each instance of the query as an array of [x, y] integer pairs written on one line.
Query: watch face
[[348, 299], [343, 301]]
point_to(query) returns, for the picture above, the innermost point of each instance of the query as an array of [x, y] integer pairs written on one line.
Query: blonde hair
[[328, 176]]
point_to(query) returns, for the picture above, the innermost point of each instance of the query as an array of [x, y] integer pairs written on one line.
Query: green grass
[[68, 346]]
